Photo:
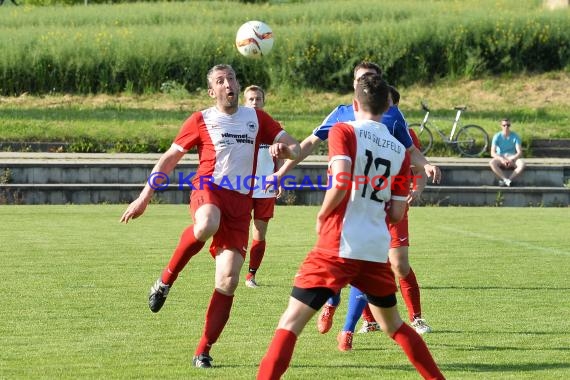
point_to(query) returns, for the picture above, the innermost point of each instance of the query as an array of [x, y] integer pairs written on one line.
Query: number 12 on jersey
[[376, 182]]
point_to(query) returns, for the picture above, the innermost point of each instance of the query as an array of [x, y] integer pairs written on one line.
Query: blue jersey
[[393, 119]]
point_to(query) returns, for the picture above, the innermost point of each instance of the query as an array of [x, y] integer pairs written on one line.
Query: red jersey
[[357, 228], [227, 145]]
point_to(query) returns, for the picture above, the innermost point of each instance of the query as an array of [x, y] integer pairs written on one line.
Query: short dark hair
[[369, 66], [395, 95], [371, 91]]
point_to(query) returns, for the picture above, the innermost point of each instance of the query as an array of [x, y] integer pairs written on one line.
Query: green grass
[[143, 123], [137, 46], [494, 288], [123, 77]]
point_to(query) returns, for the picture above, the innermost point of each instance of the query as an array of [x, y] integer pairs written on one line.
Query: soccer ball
[[254, 39]]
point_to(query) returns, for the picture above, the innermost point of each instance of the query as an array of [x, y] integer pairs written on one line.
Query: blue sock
[[356, 303], [334, 300]]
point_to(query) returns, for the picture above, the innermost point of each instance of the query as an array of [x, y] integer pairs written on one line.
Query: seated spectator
[[506, 153]]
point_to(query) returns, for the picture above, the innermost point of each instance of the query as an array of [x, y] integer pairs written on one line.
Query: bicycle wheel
[[472, 141], [424, 135]]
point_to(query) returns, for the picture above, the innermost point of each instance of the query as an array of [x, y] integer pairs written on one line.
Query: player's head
[[224, 86], [371, 93], [394, 95], [254, 97], [366, 67]]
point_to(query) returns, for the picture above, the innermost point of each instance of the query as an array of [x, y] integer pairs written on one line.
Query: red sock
[[187, 247], [417, 352], [411, 294], [367, 315], [278, 355], [217, 316], [256, 254]]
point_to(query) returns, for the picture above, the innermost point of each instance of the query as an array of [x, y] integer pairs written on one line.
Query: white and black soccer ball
[[254, 39]]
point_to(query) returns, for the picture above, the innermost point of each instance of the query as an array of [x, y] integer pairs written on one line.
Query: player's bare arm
[[308, 145], [396, 211], [165, 164], [306, 148], [418, 159], [286, 147], [419, 182], [335, 193]]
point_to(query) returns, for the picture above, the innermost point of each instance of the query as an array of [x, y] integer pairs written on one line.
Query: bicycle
[[471, 140]]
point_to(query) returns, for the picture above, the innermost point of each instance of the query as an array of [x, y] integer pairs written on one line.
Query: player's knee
[[227, 284], [401, 269], [205, 229]]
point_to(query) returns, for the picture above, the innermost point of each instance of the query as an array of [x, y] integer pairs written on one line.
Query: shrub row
[[140, 47]]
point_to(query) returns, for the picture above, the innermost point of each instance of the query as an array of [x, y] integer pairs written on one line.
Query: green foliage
[[136, 47], [5, 176], [87, 144]]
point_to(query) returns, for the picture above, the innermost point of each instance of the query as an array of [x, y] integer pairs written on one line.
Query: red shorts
[[263, 208], [325, 271], [399, 233], [235, 211]]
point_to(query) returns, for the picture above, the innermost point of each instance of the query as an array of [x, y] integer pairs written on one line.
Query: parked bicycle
[[470, 140]]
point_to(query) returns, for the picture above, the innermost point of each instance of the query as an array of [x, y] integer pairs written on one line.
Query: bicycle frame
[[470, 140], [455, 123], [453, 128]]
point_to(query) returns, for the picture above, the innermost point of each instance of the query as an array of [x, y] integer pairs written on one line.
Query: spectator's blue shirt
[[506, 145], [393, 119]]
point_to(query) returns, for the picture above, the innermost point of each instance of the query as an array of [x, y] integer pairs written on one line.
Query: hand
[[273, 181], [135, 209], [414, 196], [434, 172], [280, 151], [279, 192]]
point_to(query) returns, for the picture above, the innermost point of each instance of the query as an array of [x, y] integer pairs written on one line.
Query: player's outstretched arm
[[286, 147], [165, 164], [308, 145], [418, 159]]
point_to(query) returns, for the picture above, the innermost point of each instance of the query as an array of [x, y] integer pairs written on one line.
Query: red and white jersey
[[265, 167], [357, 228], [227, 145]]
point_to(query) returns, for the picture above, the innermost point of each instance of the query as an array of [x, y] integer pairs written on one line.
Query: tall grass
[[138, 47], [536, 104]]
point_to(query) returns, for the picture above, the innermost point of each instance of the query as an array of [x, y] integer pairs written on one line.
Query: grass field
[[494, 288], [131, 122]]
